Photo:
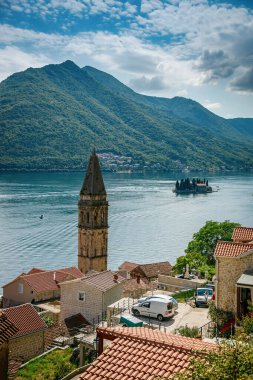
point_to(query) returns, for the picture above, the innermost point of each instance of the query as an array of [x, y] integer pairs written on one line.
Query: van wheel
[[160, 317], [136, 312]]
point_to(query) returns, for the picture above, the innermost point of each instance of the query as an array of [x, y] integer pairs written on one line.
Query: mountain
[[50, 118]]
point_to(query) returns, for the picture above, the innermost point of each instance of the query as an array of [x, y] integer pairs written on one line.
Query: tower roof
[[93, 183]]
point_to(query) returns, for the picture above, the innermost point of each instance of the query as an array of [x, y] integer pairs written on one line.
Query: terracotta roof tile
[[103, 280], [44, 280], [155, 354], [231, 249], [132, 285], [243, 234], [152, 270], [127, 266], [25, 318], [7, 328]]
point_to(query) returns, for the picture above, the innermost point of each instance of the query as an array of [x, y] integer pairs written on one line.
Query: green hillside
[[52, 117]]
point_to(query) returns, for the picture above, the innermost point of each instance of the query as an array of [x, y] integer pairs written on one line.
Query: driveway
[[185, 315]]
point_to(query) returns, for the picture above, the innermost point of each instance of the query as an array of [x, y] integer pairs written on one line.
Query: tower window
[[102, 216], [88, 217], [95, 218]]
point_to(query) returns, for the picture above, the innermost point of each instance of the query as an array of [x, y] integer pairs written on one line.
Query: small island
[[196, 186]]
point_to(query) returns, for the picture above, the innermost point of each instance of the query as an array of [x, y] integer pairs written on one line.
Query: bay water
[[148, 222]]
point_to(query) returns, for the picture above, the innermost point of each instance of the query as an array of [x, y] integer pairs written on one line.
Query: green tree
[[231, 361], [204, 241]]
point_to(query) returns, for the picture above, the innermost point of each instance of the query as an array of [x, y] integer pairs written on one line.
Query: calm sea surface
[[147, 221]]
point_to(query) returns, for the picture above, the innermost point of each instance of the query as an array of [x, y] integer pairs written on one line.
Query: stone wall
[[174, 284], [90, 308], [26, 347], [228, 271], [4, 361]]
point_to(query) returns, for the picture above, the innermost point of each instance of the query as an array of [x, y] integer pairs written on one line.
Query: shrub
[[190, 332]]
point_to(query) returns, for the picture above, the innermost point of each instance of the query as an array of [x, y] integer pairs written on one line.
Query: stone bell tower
[[92, 220]]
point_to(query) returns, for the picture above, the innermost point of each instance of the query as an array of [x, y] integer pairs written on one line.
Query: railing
[[209, 330]]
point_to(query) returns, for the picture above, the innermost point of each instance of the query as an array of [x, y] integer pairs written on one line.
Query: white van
[[161, 296], [154, 308]]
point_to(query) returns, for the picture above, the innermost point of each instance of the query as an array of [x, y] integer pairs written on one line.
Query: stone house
[[136, 287], [234, 272], [28, 341], [90, 295], [7, 330], [148, 271], [37, 285]]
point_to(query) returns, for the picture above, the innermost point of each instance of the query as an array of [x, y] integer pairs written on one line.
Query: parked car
[[160, 296], [203, 296], [210, 286], [155, 308]]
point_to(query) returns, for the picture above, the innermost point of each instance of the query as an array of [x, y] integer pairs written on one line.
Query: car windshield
[[203, 292]]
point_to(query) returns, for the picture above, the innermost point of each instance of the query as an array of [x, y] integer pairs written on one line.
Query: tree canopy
[[233, 359], [204, 241], [200, 250]]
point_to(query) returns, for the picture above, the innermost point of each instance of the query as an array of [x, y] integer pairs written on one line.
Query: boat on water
[[196, 186]]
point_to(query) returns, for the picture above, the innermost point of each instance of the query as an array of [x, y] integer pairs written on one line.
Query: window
[[20, 288], [146, 304], [88, 217], [81, 296]]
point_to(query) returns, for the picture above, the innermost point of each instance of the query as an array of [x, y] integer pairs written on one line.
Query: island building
[[92, 220]]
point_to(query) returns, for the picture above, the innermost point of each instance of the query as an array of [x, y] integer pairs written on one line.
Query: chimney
[[138, 279], [54, 276], [115, 277]]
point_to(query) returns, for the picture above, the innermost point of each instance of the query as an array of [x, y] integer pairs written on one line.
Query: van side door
[[145, 308]]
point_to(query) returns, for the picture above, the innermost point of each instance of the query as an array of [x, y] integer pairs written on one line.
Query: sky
[[199, 49]]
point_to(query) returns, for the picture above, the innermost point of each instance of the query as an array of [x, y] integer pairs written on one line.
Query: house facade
[[37, 285], [28, 341], [90, 295], [7, 330], [234, 272]]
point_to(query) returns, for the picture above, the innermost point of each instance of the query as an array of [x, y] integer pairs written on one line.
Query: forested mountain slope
[[50, 118]]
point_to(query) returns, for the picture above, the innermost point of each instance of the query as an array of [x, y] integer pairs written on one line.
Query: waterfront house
[[37, 285], [148, 271], [234, 272], [28, 340], [90, 295]]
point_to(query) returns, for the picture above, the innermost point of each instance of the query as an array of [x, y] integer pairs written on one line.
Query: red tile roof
[[152, 270], [132, 285], [25, 318], [127, 266], [243, 234], [103, 280], [231, 249], [45, 281], [7, 328], [143, 353]]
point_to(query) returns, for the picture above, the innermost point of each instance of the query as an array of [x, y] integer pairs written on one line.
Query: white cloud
[[212, 106], [13, 59]]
